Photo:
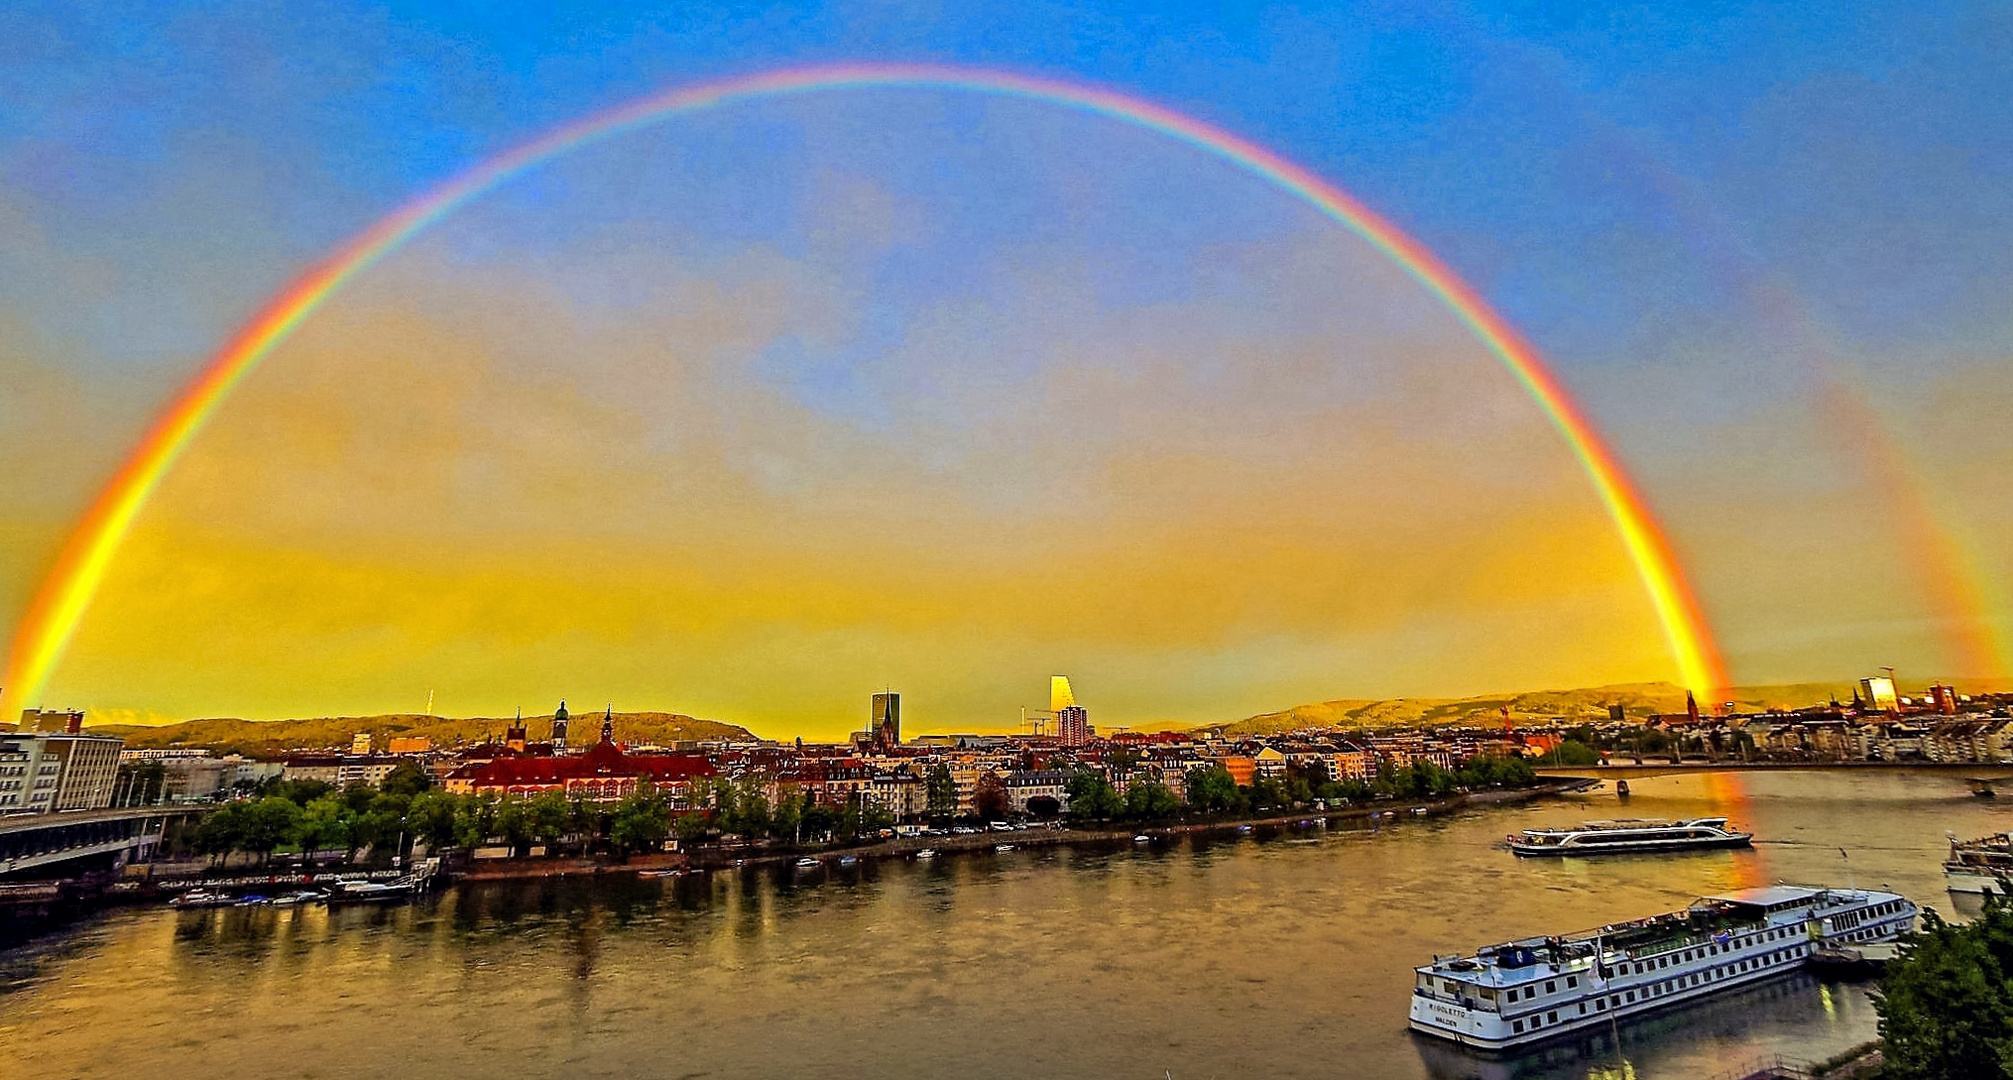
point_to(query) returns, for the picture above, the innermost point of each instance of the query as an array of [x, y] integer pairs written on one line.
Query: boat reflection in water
[[1680, 1042]]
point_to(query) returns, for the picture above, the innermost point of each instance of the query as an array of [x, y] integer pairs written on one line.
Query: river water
[[1283, 955]]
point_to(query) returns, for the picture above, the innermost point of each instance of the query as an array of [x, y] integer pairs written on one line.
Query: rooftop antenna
[[1849, 886]]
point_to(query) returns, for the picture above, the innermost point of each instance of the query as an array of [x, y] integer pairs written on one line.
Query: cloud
[[467, 479]]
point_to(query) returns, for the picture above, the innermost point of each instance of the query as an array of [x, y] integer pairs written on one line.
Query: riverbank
[[1061, 836]]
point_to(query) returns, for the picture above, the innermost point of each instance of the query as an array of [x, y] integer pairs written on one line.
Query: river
[[1283, 955]]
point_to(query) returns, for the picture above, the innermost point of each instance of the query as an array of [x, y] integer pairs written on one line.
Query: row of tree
[[321, 822], [1946, 1003], [1211, 789]]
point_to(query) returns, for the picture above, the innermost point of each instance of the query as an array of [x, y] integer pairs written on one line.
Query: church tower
[[608, 725], [559, 729]]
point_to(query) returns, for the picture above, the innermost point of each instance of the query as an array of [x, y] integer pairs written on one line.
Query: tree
[[324, 823], [550, 818], [267, 824], [690, 827], [1495, 771], [1150, 799], [430, 817], [942, 789], [1313, 772], [847, 827], [820, 820], [298, 792], [405, 778], [1211, 788], [1572, 752], [1091, 797], [1946, 1004], [789, 816], [219, 833], [989, 798], [752, 816], [474, 820], [641, 822], [514, 825]]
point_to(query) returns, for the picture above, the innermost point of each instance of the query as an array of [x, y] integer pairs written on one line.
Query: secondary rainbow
[[64, 596]]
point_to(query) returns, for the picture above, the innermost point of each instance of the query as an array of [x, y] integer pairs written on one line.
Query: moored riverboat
[[372, 892], [1534, 989], [1981, 866], [1630, 836]]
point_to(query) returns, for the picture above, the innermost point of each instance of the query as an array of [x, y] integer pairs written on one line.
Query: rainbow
[[59, 604], [1946, 566]]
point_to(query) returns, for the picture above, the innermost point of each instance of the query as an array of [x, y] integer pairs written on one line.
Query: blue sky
[[1698, 212]]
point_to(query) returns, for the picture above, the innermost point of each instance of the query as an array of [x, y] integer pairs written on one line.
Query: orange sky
[[468, 483]]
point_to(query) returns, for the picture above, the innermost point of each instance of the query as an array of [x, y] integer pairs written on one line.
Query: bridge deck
[[1631, 770]]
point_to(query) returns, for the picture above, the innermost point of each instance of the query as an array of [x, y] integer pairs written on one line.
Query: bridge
[[1966, 770], [34, 841]]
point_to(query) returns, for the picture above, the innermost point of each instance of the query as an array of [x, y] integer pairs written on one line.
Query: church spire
[[608, 724]]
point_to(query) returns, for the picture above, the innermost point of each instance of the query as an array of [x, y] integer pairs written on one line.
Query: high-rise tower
[[1072, 722]]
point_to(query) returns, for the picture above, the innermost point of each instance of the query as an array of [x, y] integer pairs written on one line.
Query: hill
[[1638, 700], [271, 737]]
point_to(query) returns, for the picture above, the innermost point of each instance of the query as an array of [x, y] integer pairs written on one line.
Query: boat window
[[1551, 987], [1572, 981], [1517, 1026], [1552, 1017], [1631, 995]]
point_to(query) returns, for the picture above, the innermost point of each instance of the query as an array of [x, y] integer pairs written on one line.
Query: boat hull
[[1976, 880]]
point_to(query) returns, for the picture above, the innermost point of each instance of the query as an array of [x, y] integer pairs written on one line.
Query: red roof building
[[603, 774]]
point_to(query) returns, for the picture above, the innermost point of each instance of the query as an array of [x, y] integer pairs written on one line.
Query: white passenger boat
[[371, 892], [1527, 991], [1630, 836], [1983, 866]]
